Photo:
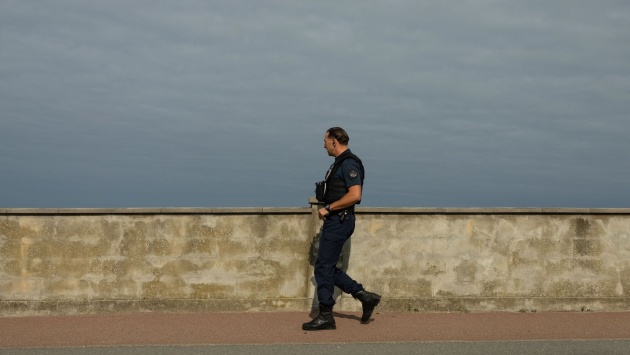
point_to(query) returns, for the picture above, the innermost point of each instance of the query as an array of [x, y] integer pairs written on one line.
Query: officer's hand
[[323, 213]]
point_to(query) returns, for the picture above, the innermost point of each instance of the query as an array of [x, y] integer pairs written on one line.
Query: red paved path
[[285, 327]]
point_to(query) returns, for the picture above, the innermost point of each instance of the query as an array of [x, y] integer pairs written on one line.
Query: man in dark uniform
[[343, 188]]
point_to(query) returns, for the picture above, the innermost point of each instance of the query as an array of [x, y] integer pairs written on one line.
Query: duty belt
[[343, 214], [347, 210]]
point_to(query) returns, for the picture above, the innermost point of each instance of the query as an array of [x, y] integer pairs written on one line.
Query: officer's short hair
[[339, 134]]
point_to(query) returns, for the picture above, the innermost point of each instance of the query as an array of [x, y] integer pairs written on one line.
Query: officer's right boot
[[324, 320]]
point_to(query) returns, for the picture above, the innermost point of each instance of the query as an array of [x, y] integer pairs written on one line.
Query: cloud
[[474, 103]]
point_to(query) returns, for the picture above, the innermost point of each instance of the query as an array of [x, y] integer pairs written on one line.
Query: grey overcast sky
[[478, 103]]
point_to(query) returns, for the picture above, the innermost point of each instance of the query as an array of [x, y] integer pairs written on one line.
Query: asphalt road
[[555, 347]]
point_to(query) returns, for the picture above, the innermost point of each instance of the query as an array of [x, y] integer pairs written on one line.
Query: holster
[[320, 190]]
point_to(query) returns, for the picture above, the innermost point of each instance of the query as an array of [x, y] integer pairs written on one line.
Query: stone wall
[[506, 260], [67, 261]]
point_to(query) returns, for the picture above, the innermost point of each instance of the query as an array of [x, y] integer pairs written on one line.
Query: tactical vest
[[336, 188]]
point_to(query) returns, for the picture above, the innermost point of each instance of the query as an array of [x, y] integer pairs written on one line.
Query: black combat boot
[[369, 300], [324, 320]]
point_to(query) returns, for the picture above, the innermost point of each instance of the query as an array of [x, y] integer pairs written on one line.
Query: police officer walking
[[339, 192]]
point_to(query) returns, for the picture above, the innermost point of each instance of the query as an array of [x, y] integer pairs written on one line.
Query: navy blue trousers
[[334, 235]]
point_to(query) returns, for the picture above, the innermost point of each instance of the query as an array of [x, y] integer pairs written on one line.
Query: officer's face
[[329, 145]]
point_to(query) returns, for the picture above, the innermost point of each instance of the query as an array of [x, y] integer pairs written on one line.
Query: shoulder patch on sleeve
[[353, 173]]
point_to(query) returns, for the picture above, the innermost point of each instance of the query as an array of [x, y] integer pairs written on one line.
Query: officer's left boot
[[324, 320], [369, 300]]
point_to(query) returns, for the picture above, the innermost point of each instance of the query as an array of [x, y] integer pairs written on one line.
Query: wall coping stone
[[307, 210], [155, 211], [493, 210]]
